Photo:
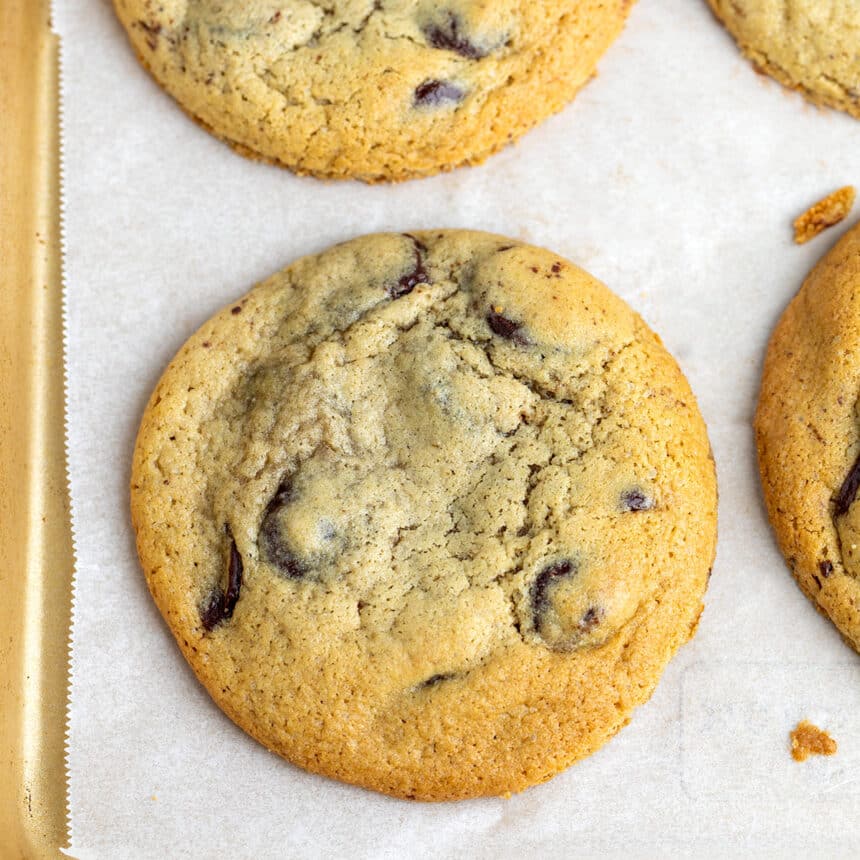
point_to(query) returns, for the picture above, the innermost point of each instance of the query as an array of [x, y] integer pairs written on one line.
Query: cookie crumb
[[827, 212], [807, 740]]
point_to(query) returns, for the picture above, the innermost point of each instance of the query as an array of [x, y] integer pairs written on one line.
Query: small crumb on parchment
[[807, 739], [827, 212]]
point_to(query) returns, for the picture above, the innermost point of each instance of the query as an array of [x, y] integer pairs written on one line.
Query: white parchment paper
[[674, 178]]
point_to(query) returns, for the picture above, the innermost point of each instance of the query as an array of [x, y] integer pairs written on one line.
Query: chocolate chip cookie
[[372, 89], [808, 435], [807, 45], [428, 512]]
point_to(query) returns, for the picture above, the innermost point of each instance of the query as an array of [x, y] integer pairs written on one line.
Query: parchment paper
[[674, 178]]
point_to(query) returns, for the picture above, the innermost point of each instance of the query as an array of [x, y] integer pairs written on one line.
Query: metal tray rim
[[35, 534]]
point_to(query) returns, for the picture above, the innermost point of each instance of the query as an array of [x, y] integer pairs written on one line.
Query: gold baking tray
[[36, 558]]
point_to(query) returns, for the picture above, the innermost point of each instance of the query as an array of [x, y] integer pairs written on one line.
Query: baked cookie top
[[374, 89], [808, 435], [427, 512], [808, 45]]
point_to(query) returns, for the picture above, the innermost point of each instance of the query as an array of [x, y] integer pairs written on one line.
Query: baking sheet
[[35, 542], [674, 178]]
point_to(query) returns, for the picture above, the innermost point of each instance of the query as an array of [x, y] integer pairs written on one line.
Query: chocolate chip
[[433, 92], [236, 310], [447, 37], [152, 31], [273, 548], [591, 619], [235, 570], [433, 680], [283, 496], [848, 491], [506, 328], [826, 567], [636, 500], [542, 607], [543, 582], [418, 274], [211, 614], [222, 602]]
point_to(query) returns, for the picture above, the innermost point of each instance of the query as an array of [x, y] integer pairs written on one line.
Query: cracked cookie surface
[[807, 45], [373, 89], [427, 512], [808, 435]]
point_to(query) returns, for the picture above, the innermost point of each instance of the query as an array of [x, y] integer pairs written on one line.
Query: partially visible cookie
[[808, 435], [808, 45], [428, 513], [372, 89]]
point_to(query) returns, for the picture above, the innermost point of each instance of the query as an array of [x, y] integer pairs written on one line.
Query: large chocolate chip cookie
[[428, 513], [374, 89]]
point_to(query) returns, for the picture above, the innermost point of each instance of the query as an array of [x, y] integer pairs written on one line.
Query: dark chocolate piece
[[541, 604], [235, 571], [418, 274], [826, 567], [433, 92], [274, 550], [848, 491], [543, 582], [152, 32], [433, 680], [506, 328], [221, 602], [636, 500], [591, 619], [447, 37]]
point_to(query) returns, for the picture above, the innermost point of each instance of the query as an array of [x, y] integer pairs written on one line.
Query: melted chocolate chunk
[[433, 680], [447, 37], [235, 570], [283, 496], [541, 604], [211, 614], [274, 550], [432, 93], [222, 602], [418, 275], [826, 567], [848, 491], [636, 500], [591, 619], [543, 582], [506, 328]]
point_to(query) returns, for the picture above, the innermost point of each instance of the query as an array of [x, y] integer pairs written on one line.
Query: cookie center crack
[[422, 460]]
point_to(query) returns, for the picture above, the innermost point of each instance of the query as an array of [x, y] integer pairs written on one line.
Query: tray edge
[[35, 535]]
